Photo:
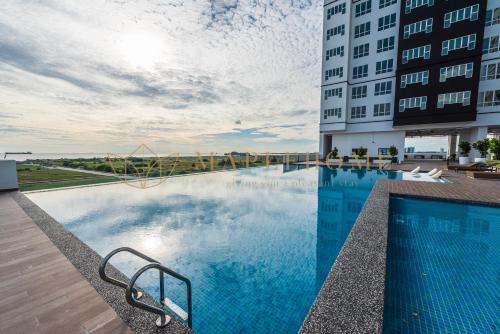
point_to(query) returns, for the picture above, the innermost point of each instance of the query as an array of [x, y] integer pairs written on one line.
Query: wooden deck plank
[[42, 292]]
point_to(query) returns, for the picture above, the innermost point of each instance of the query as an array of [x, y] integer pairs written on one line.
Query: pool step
[[175, 308]]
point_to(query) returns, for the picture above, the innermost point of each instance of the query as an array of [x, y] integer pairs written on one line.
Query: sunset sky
[[180, 76]]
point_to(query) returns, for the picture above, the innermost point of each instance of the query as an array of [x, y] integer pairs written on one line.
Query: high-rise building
[[398, 68]]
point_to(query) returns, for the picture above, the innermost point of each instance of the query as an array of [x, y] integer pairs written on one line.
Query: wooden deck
[[41, 291]]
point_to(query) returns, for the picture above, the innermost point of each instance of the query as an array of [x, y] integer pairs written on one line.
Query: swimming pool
[[257, 244], [442, 268]]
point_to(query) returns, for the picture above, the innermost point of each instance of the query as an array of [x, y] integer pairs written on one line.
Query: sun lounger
[[416, 170], [432, 172], [437, 175]]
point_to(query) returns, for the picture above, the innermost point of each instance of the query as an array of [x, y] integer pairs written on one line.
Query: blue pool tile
[[443, 265]]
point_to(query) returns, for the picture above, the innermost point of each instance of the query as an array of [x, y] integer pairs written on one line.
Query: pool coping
[[351, 299], [87, 261]]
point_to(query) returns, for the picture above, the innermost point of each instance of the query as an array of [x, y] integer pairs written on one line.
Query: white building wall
[[372, 79], [345, 123], [335, 41], [371, 141], [490, 58]]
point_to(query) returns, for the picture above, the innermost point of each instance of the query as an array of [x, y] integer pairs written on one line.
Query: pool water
[[257, 244], [443, 266]]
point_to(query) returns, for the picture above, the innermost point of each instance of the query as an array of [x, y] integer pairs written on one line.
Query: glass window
[[415, 78], [359, 92], [387, 22], [491, 44], [454, 98], [361, 50], [385, 44], [468, 13], [360, 72], [384, 66], [419, 52], [489, 98], [465, 70], [493, 16], [463, 42], [490, 71], [335, 72], [412, 4], [383, 88], [413, 102], [362, 30], [335, 112], [333, 92], [417, 27], [382, 109], [337, 9], [363, 8], [358, 112], [386, 3]]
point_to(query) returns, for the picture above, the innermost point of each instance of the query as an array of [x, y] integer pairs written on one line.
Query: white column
[[475, 135], [325, 145], [452, 145]]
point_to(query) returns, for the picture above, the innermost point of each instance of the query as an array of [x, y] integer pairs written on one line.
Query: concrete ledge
[[87, 262], [352, 297]]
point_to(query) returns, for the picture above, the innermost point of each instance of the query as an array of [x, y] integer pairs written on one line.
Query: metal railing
[[132, 295]]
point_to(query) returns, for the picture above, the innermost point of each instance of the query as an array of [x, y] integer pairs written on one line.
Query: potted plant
[[483, 147], [464, 152], [362, 154], [358, 155], [495, 148], [393, 152], [332, 157]]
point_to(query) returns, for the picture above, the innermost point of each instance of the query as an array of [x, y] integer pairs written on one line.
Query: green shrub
[[495, 147], [393, 151], [464, 147], [482, 146]]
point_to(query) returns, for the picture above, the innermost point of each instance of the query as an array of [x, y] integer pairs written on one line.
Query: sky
[[178, 75]]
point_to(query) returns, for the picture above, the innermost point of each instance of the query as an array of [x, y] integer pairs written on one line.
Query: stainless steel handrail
[[162, 269], [132, 295], [114, 281]]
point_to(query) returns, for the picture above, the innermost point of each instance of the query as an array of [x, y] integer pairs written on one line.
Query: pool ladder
[[132, 295]]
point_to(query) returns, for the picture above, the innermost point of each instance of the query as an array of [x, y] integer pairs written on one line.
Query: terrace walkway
[[42, 292]]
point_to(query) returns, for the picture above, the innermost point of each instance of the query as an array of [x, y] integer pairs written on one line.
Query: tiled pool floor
[[442, 268]]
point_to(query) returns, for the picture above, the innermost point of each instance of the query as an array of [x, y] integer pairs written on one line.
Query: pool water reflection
[[256, 243]]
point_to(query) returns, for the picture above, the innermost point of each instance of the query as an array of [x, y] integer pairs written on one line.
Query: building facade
[[398, 68]]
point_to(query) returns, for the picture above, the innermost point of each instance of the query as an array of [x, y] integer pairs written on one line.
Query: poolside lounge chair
[[474, 166], [416, 170], [437, 175], [483, 175], [432, 172]]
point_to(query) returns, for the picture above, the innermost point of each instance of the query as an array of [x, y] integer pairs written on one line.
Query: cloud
[[8, 115], [303, 112], [101, 75]]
